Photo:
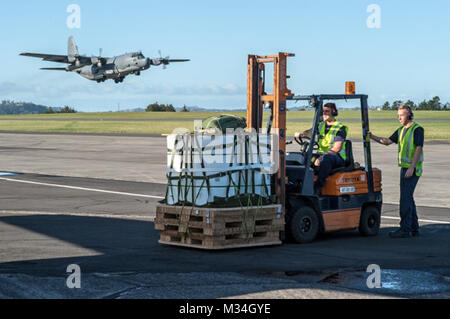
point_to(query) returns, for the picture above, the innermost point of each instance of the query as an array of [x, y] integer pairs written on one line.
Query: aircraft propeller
[[97, 60], [167, 60]]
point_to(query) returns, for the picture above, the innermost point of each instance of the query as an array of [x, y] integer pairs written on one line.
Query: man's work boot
[[399, 234]]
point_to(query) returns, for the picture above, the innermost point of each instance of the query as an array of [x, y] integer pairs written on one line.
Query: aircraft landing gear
[[119, 80]]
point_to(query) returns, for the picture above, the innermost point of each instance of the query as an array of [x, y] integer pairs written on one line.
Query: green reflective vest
[[326, 141], [406, 148]]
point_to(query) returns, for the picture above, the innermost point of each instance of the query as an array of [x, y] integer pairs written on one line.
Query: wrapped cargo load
[[224, 122], [219, 170]]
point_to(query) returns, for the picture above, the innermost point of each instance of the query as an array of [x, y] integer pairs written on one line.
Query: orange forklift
[[351, 197]]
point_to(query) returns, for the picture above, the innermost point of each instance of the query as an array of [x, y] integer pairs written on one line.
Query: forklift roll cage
[[276, 102], [316, 101]]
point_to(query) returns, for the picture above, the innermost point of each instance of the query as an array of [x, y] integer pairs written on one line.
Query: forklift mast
[[256, 97]]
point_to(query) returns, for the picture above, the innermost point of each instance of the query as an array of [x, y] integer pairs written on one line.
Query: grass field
[[383, 123]]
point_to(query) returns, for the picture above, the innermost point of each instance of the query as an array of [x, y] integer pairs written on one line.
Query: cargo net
[[220, 170]]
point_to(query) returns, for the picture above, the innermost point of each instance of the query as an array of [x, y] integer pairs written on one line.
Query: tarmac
[[90, 201]]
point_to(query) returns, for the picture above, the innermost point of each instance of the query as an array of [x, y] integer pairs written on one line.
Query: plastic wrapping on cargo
[[203, 168]]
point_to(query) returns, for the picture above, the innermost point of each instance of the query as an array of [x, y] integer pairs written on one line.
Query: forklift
[[351, 197]]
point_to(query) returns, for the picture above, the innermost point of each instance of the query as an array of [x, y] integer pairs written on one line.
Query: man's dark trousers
[[328, 163], [408, 213]]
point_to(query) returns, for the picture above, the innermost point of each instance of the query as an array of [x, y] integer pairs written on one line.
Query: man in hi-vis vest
[[410, 138], [332, 135]]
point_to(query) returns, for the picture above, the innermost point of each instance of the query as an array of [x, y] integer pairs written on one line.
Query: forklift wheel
[[369, 223], [304, 225]]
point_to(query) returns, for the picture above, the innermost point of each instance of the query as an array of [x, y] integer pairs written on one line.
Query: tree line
[[156, 107], [11, 107], [431, 105], [65, 109], [8, 107]]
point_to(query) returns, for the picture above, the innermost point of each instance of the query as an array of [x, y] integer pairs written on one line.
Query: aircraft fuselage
[[115, 68], [100, 68]]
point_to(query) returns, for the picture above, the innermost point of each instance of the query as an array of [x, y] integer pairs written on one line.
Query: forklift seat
[[349, 161]]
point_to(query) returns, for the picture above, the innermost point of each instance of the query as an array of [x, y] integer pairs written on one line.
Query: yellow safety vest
[[406, 148], [326, 141]]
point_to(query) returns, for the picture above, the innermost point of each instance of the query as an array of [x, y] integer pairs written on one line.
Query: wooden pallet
[[219, 228]]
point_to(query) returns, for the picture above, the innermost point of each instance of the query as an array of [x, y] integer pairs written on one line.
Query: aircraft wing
[[178, 60], [54, 69], [48, 57], [57, 58]]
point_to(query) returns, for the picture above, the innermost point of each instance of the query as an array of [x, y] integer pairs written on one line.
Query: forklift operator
[[332, 135]]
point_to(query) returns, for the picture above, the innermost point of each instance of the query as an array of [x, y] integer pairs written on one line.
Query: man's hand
[[409, 173], [371, 136], [381, 140], [317, 162], [303, 134], [417, 153]]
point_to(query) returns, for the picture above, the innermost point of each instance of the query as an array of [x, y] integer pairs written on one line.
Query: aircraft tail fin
[[72, 50]]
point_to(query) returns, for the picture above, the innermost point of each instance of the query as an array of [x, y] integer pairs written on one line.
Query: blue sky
[[407, 58]]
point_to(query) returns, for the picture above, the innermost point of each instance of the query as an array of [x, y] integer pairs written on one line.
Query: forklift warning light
[[350, 88]]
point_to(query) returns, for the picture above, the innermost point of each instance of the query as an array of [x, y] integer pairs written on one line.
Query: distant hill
[[201, 109], [11, 107], [138, 109]]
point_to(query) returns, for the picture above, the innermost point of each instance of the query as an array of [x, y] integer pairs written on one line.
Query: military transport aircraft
[[100, 68]]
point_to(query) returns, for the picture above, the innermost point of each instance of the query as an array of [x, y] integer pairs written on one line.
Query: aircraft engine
[[97, 61], [156, 61]]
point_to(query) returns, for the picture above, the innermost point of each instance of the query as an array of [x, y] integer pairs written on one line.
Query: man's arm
[[335, 150], [416, 158], [382, 140], [304, 133], [337, 147]]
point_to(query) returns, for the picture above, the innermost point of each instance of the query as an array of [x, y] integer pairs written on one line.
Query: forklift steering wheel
[[299, 140], [303, 144]]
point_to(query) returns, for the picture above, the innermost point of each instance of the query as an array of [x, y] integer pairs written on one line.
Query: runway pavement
[[143, 159], [90, 201]]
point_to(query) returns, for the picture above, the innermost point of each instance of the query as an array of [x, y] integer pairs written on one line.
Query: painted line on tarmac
[[420, 220], [156, 197], [427, 205], [81, 188], [7, 174], [119, 216]]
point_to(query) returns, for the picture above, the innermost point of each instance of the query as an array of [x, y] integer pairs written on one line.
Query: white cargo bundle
[[203, 168]]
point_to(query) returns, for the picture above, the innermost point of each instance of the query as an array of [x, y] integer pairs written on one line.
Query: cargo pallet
[[219, 228]]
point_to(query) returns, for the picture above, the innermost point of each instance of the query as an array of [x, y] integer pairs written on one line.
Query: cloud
[[227, 89], [9, 87], [62, 87], [59, 89]]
